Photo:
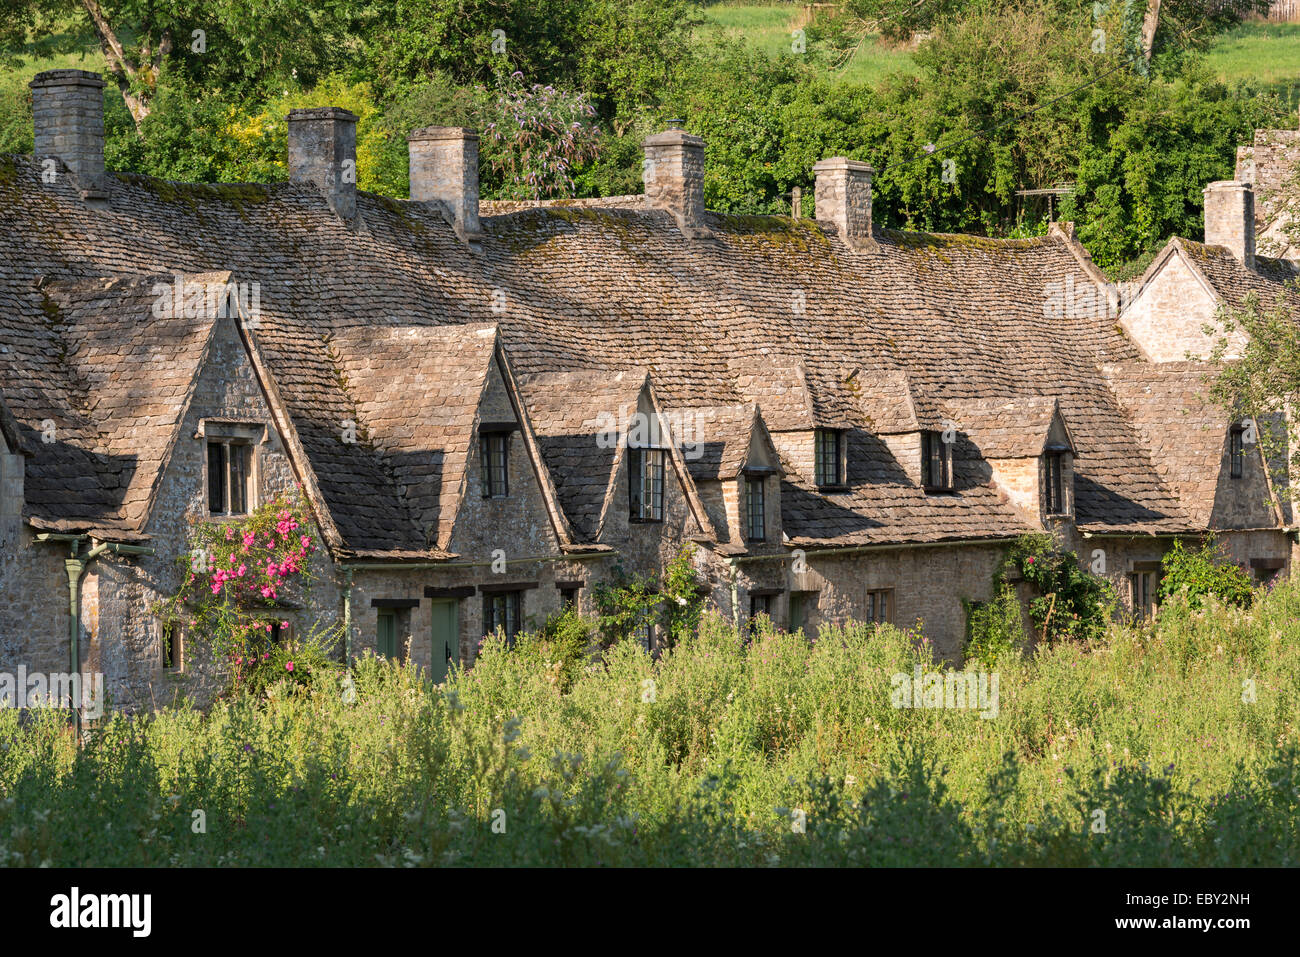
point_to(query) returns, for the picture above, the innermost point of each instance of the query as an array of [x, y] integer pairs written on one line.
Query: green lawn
[[1268, 52], [769, 28]]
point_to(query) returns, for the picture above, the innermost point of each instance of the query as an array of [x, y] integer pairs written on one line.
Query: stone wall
[[1168, 318]]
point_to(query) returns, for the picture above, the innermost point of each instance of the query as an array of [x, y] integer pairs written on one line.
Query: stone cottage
[[490, 410]]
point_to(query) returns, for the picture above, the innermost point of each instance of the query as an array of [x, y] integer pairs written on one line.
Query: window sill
[[645, 521], [838, 487]]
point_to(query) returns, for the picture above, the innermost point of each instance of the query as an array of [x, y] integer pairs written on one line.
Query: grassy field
[[1168, 746], [769, 28], [1267, 52]]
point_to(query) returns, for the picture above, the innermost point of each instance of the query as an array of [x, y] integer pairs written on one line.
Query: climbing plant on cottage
[[235, 578]]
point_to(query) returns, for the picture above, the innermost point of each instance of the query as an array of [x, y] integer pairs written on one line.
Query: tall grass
[[1184, 737]]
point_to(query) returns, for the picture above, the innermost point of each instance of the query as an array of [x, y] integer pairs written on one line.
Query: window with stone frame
[[171, 642], [569, 594], [494, 449], [755, 506], [880, 605], [1236, 451], [502, 610], [1054, 482], [828, 457], [231, 486], [936, 462], [646, 484], [760, 604]]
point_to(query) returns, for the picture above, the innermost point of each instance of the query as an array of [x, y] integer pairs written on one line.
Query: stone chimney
[[444, 167], [842, 196], [68, 109], [1230, 219], [674, 178], [323, 152]]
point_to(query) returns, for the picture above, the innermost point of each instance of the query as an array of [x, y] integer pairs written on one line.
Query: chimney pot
[[68, 110], [323, 152], [444, 168], [842, 197], [674, 178], [1230, 219]]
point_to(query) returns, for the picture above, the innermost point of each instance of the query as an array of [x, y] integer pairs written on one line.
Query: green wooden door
[[386, 634], [446, 639]]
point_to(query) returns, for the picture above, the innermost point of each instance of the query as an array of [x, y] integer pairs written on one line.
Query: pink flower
[[288, 666], [242, 569]]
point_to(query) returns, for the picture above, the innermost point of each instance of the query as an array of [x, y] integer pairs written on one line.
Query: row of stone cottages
[[849, 422]]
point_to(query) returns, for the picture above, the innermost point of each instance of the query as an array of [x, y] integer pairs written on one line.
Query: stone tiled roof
[[1178, 423], [11, 431], [102, 395], [571, 413], [1014, 428], [882, 507], [1232, 282], [723, 435], [585, 290], [416, 391]]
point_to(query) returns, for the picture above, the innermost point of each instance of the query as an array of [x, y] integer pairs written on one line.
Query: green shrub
[[1201, 574], [994, 628], [703, 757]]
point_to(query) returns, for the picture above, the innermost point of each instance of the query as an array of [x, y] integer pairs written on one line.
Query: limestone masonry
[[491, 408]]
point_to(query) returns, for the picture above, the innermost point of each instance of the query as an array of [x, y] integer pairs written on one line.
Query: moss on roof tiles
[[235, 195]]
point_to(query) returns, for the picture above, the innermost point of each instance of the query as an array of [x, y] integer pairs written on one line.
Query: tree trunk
[[138, 81], [1149, 25]]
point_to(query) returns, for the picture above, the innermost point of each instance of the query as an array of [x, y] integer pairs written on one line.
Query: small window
[[936, 462], [646, 484], [494, 448], [501, 611], [1236, 451], [569, 597], [880, 605], [649, 637], [829, 457], [1055, 476], [172, 647], [1142, 593], [755, 528], [230, 477], [759, 605]]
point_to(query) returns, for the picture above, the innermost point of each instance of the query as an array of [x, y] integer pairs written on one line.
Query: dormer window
[[1236, 451], [1054, 476], [936, 462], [646, 485], [494, 448], [755, 527], [829, 457]]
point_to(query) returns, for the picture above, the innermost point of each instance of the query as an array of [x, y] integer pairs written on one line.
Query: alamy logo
[[952, 689], [102, 910], [36, 689], [207, 300]]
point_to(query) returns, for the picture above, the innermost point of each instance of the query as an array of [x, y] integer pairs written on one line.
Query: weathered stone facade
[[488, 416]]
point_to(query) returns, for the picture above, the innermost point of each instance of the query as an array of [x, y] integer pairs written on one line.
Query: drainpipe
[[347, 616], [76, 567], [735, 594]]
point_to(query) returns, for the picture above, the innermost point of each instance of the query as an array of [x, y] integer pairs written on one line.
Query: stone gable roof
[[571, 413], [575, 289], [112, 382], [723, 435], [1013, 428], [1179, 423]]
